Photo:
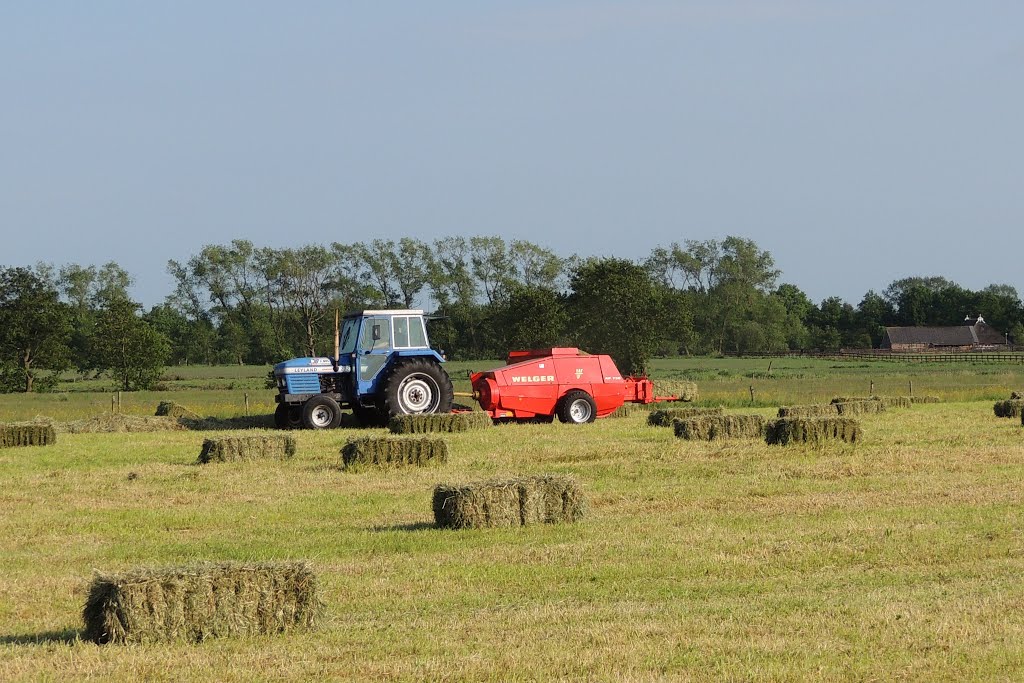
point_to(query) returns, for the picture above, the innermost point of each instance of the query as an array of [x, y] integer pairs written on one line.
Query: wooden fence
[[973, 357]]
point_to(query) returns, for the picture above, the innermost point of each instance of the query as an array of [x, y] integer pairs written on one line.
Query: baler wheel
[[321, 412], [418, 386], [577, 407], [287, 417]]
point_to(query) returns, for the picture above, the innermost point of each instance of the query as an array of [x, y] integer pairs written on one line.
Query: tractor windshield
[[348, 335]]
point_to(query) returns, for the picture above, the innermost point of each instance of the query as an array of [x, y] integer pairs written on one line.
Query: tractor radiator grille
[[304, 384]]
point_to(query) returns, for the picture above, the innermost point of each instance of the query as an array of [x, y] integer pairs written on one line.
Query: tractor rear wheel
[[577, 407], [417, 386], [321, 412], [287, 417]]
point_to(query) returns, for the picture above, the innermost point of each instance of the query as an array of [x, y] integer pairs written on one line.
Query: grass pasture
[[898, 557]]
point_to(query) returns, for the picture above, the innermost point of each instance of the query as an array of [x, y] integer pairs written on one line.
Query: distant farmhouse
[[973, 335]]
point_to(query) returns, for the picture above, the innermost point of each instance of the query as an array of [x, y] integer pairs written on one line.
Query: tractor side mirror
[[376, 333]]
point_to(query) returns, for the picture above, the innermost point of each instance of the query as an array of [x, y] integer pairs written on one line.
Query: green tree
[[798, 308], [86, 289], [615, 308], [537, 266], [531, 317], [127, 347], [874, 312], [191, 341], [34, 331], [305, 282], [233, 282]]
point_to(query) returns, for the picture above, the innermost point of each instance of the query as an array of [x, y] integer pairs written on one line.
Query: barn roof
[[957, 335], [961, 335]]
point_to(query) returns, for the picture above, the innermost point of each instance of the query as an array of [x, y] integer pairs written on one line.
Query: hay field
[[898, 557]]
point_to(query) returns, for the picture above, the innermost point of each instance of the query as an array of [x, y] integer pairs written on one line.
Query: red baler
[[565, 382]]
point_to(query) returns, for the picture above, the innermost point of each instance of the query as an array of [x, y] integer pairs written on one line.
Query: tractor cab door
[[373, 352]]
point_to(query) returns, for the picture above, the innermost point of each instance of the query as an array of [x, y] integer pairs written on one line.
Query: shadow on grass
[[227, 423], [414, 526], [66, 636], [348, 421]]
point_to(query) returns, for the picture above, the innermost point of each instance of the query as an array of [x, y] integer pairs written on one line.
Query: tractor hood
[[297, 366]]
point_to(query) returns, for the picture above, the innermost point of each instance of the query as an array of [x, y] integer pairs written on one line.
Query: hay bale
[[443, 422], [545, 499], [665, 417], [895, 401], [860, 407], [812, 410], [116, 422], [712, 427], [1010, 408], [887, 401], [197, 602], [1016, 395], [813, 430], [394, 452], [27, 434], [247, 448], [172, 409], [684, 391]]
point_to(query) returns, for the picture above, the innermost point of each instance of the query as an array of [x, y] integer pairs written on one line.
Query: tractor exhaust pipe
[[337, 342]]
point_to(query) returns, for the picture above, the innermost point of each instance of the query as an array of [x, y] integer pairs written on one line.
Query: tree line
[[239, 303]]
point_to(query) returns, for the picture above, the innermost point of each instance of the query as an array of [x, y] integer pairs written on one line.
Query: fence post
[[118, 402], [872, 392], [751, 393], [113, 404], [911, 387], [247, 405]]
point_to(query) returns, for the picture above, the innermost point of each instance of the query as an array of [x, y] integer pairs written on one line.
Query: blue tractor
[[382, 366]]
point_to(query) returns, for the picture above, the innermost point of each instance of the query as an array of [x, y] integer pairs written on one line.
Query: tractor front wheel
[[417, 386], [287, 417], [577, 407], [321, 412]]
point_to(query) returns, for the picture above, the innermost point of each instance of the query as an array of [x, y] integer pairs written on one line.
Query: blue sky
[[859, 142]]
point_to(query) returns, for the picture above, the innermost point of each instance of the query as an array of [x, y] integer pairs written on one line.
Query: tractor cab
[[383, 365]]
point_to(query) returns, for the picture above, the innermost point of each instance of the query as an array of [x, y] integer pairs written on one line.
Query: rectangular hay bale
[[812, 430], [812, 410], [683, 391], [439, 422], [387, 451], [713, 427], [544, 499], [196, 602], [887, 401], [1009, 408], [27, 434], [665, 416], [231, 448], [860, 407]]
